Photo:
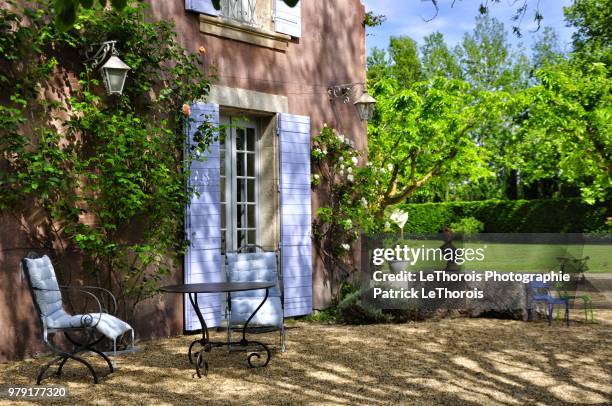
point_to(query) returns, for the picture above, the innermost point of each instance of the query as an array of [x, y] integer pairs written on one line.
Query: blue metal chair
[[539, 292], [245, 266], [47, 298]]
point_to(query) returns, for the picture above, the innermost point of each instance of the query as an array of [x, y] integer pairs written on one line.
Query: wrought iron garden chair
[[245, 266], [539, 292], [47, 298]]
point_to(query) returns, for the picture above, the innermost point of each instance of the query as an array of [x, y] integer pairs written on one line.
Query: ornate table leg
[[204, 341], [244, 342]]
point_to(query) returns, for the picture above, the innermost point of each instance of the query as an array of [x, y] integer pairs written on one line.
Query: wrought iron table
[[192, 291]]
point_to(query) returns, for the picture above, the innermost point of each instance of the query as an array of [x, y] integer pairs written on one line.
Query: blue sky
[[406, 17]]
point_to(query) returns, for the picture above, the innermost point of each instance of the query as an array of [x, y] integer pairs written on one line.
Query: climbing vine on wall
[[108, 172]]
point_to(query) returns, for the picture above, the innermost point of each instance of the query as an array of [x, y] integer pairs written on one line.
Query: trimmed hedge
[[511, 216]]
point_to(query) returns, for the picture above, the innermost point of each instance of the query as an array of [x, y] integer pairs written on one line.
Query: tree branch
[[414, 185]]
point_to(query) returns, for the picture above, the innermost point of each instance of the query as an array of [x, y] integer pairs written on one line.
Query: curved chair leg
[[61, 365], [86, 347], [44, 369], [64, 358], [108, 361], [87, 364]]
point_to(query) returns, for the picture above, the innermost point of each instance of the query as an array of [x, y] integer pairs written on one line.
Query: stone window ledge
[[235, 30]]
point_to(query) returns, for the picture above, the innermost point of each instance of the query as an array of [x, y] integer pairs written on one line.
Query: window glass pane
[[252, 237], [250, 158], [251, 215], [240, 185], [240, 163], [241, 238], [251, 139], [240, 139], [240, 215], [223, 135], [251, 190]]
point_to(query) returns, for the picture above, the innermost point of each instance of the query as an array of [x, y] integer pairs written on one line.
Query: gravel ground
[[450, 361]]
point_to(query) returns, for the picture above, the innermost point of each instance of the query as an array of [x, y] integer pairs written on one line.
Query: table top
[[216, 287]]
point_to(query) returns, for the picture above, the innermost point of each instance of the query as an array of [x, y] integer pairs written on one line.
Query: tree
[[591, 18], [437, 59], [405, 67], [485, 56], [566, 127], [401, 62], [373, 20], [546, 50], [488, 63], [565, 120], [423, 133], [377, 65]]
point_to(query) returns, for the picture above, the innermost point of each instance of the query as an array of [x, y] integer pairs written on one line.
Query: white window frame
[[228, 201]]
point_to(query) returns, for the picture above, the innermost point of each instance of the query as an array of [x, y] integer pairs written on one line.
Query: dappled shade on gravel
[[450, 361]]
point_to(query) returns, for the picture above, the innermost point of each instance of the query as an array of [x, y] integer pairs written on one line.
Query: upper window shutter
[[295, 213], [288, 20], [201, 6], [203, 223]]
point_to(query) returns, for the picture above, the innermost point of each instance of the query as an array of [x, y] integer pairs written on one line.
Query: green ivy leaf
[[66, 12], [119, 4]]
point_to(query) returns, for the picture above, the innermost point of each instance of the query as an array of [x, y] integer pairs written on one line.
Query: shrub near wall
[[511, 216]]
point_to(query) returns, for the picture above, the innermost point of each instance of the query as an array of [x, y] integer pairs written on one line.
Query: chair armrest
[[87, 318], [110, 295]]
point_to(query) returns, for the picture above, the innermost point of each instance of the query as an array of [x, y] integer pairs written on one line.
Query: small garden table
[[192, 291]]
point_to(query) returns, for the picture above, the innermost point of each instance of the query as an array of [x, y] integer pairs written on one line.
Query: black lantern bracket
[[107, 48], [364, 104]]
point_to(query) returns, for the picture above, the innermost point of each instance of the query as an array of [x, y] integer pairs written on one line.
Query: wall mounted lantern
[[113, 71], [365, 104]]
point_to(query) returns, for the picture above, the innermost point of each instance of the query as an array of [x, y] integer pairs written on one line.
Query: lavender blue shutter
[[295, 212], [201, 6], [288, 20], [203, 223]]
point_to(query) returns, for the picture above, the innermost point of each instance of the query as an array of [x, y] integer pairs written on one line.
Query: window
[[243, 11], [239, 183], [265, 23]]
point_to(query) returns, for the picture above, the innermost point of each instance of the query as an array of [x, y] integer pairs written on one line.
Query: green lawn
[[523, 257]]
